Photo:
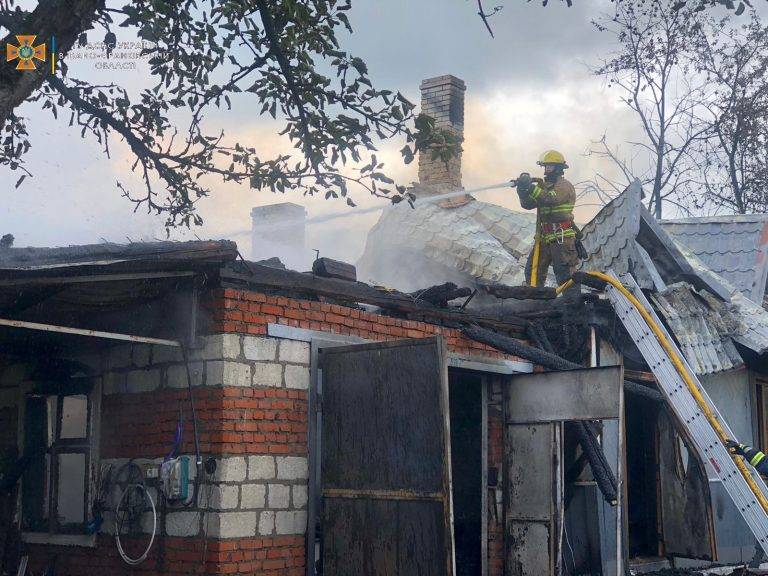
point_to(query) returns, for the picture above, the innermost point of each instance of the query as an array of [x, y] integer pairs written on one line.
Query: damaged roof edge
[[32, 258], [657, 236], [254, 275]]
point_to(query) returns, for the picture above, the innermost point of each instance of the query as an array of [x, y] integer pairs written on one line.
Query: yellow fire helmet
[[552, 157]]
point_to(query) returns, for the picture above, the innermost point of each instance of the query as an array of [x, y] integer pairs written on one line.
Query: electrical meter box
[[174, 478]]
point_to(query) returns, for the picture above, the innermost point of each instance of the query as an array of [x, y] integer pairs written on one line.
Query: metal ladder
[[682, 402]]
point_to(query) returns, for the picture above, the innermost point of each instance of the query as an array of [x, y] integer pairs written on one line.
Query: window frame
[[55, 532]]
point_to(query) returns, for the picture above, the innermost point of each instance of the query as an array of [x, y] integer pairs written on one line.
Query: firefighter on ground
[[752, 455], [556, 240]]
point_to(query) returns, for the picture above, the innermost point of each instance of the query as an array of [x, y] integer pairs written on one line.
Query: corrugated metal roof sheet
[[753, 327], [478, 240], [609, 238], [702, 326], [732, 246]]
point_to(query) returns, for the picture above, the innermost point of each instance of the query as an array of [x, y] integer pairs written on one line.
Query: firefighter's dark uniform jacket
[[554, 203], [755, 457]]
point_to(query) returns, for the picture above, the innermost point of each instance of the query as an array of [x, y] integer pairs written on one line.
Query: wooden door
[[385, 462]]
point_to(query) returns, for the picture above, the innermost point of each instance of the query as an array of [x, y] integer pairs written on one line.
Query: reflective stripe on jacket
[[549, 237], [757, 459], [554, 203]]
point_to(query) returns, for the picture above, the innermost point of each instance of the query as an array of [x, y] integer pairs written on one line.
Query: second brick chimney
[[442, 98]]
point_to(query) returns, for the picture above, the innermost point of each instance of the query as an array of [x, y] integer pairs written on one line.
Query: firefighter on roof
[[556, 241]]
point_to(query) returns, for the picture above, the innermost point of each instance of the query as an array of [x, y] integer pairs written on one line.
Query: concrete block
[[292, 468], [227, 373], [253, 496], [224, 497], [232, 524], [294, 351], [182, 523], [164, 354], [176, 375], [220, 346], [291, 522], [119, 357], [279, 496], [141, 355], [114, 383], [142, 381], [261, 467], [297, 377], [299, 496], [266, 523], [259, 348], [231, 470], [267, 374]]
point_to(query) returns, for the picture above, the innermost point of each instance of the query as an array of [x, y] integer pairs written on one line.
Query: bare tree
[[735, 61], [652, 70]]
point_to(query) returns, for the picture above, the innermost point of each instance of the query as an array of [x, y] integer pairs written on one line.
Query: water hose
[[536, 255]]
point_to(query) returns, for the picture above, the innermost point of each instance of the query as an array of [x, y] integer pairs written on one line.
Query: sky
[[528, 89]]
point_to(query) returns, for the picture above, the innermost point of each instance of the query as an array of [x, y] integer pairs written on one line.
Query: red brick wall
[[231, 421], [280, 556], [249, 313]]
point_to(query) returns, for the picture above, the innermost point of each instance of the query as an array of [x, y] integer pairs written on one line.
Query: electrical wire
[[127, 559], [198, 457]]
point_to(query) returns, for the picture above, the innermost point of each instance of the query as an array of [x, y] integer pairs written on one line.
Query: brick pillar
[[442, 98]]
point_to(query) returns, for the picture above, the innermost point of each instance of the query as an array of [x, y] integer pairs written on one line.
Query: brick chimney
[[443, 99], [279, 230]]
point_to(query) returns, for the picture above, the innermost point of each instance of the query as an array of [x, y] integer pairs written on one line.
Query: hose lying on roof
[[587, 436]]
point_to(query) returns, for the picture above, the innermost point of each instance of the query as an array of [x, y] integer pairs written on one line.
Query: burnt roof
[[107, 253]]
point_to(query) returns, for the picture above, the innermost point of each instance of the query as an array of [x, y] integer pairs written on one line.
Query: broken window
[[57, 442]]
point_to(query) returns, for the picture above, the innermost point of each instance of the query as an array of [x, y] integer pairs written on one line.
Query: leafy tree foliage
[[282, 56]]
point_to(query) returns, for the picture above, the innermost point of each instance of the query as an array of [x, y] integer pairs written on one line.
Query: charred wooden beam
[[503, 292], [440, 294], [330, 268], [546, 359]]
